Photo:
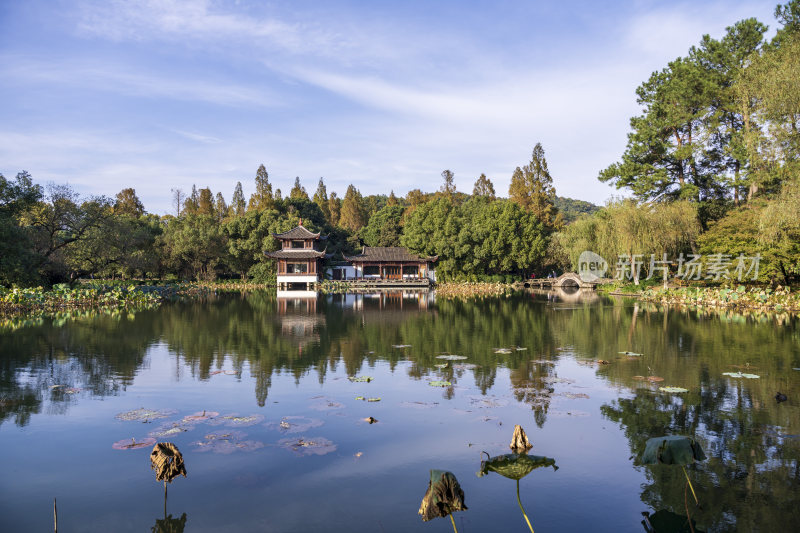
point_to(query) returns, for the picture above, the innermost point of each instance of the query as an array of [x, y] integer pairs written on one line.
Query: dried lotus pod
[[520, 442]]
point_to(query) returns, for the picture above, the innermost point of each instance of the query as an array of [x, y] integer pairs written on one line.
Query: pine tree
[[484, 187], [352, 216], [448, 188], [128, 203], [392, 200], [220, 207], [321, 199], [298, 192], [205, 202], [532, 188], [238, 204], [191, 202], [262, 198], [334, 209]]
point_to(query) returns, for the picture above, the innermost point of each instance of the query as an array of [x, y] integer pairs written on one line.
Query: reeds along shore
[[473, 289]]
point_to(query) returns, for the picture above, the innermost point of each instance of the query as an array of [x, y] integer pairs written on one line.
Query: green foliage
[[477, 238], [571, 209], [384, 228], [532, 188]]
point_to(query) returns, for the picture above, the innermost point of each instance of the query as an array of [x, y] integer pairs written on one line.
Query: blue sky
[[385, 95]]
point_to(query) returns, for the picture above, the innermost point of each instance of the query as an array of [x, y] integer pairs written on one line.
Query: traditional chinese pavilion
[[299, 259], [391, 263]]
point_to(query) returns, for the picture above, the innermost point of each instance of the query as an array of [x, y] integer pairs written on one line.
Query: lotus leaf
[[305, 446], [465, 366], [740, 375], [443, 497], [133, 444], [673, 389], [503, 351], [200, 416], [654, 379], [439, 383], [145, 415], [452, 357], [631, 354], [360, 379], [672, 450], [515, 465], [442, 365], [234, 420], [520, 349], [227, 442], [401, 346], [171, 428], [296, 424]]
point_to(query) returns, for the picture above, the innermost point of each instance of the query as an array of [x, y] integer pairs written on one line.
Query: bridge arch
[[571, 279]]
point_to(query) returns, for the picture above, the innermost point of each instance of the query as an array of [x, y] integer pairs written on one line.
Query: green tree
[[205, 202], [334, 209], [220, 207], [191, 203], [484, 187], [128, 203], [262, 198], [352, 215], [448, 188], [384, 228], [194, 246], [238, 205], [321, 199], [392, 200], [17, 260], [298, 192], [532, 188]]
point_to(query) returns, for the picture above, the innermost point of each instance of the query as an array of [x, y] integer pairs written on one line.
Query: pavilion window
[[411, 270], [372, 270], [298, 244], [296, 268]]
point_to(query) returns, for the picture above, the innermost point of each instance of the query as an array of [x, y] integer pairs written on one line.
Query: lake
[[268, 400]]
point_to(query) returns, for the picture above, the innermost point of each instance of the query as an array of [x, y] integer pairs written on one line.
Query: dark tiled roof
[[299, 232], [295, 254], [387, 254]]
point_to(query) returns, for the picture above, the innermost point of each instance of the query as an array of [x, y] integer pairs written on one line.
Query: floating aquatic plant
[[360, 379], [324, 404], [296, 424], [401, 346], [740, 375], [201, 416], [133, 444], [465, 366], [631, 354], [673, 389], [145, 415], [451, 357], [308, 446], [443, 497], [654, 379], [169, 429], [234, 420], [227, 442], [439, 383], [575, 395], [442, 365], [503, 351]]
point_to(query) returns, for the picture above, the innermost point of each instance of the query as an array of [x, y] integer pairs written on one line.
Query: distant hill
[[571, 209]]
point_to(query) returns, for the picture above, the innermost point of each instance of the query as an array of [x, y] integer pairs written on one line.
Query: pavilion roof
[[388, 254], [298, 233], [299, 253]]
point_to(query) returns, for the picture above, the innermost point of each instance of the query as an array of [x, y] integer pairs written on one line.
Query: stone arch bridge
[[567, 279]]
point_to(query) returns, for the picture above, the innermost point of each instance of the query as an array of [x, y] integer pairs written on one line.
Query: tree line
[[50, 234], [713, 160]]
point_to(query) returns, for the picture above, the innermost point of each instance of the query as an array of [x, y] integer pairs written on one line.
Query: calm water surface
[[269, 360]]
